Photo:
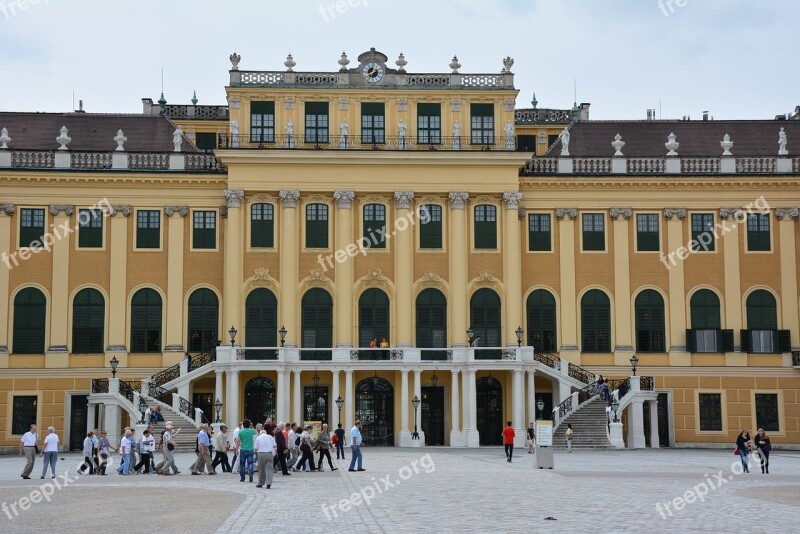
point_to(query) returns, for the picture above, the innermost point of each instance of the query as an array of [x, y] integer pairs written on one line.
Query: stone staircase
[[186, 440], [588, 427]]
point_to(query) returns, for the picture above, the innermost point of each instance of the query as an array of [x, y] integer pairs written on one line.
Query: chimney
[[80, 107], [705, 116]]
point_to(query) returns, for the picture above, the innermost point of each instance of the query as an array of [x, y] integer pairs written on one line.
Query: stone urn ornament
[[726, 145], [235, 59], [672, 145], [618, 143], [120, 139], [64, 139], [455, 65], [4, 139]]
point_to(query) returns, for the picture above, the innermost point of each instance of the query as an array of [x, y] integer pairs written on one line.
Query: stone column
[[90, 422], [678, 356], [458, 266], [512, 267], [636, 425], [343, 306], [297, 395], [455, 428], [348, 401], [623, 339], [289, 258], [518, 405], [418, 413], [654, 437], [472, 437], [217, 393], [531, 398], [733, 282], [335, 395], [405, 435], [233, 258], [6, 210], [282, 411], [174, 308], [57, 352], [569, 312], [404, 267], [232, 388], [112, 423], [787, 218], [118, 294]]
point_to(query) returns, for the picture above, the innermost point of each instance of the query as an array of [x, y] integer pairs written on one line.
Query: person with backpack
[[281, 448], [341, 441], [306, 448]]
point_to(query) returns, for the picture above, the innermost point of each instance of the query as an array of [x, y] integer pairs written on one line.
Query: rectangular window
[[317, 226], [23, 414], [710, 412], [429, 124], [647, 232], [551, 140], [31, 227], [205, 142], [373, 123], [485, 227], [539, 232], [762, 341], [758, 232], [316, 122], [204, 229], [375, 225], [703, 232], [594, 232], [148, 229], [767, 415], [706, 340], [482, 124], [90, 228], [430, 230], [262, 226], [262, 122]]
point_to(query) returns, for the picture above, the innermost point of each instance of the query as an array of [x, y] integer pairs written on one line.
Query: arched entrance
[[259, 399], [375, 408], [489, 393]]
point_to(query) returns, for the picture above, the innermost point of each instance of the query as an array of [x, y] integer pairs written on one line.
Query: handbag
[[736, 451]]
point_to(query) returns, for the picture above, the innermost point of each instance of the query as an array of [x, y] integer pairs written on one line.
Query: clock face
[[372, 72]]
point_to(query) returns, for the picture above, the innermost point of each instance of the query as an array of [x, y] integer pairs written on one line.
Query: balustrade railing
[[646, 165], [202, 162], [430, 142], [541, 166], [204, 358], [167, 375], [646, 383], [591, 166], [436, 355], [126, 389], [99, 385], [796, 358], [532, 116], [29, 159], [189, 410], [91, 160], [700, 165], [755, 165], [579, 373], [162, 395], [550, 360], [150, 162]]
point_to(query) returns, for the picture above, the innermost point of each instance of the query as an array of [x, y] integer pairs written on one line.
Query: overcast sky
[[735, 58]]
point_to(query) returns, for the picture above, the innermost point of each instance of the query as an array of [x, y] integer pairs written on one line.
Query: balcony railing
[[685, 166], [99, 385], [107, 161], [430, 143]]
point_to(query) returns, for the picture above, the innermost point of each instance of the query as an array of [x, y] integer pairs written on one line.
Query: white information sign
[[544, 433]]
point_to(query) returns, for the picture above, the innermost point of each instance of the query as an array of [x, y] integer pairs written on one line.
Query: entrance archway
[[259, 399], [375, 408], [489, 393]]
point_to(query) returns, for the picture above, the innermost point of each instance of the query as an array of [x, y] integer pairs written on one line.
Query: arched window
[[30, 315], [485, 321], [596, 322], [650, 335], [88, 322], [762, 334], [316, 324], [432, 323], [203, 320], [541, 308], [706, 334], [373, 317], [261, 319], [146, 311]]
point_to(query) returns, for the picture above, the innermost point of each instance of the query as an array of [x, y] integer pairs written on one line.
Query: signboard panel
[[544, 433]]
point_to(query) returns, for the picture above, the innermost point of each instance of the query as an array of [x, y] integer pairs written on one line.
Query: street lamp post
[[540, 406], [282, 332], [232, 332], [218, 407], [339, 403], [518, 331], [470, 335], [114, 363], [634, 363], [615, 407], [142, 408], [415, 401]]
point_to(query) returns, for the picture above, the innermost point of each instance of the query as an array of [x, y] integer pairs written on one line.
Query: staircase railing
[[550, 360], [126, 389], [189, 410], [162, 395], [99, 385], [167, 375], [571, 404]]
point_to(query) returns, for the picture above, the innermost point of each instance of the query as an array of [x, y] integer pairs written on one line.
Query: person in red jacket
[[508, 440]]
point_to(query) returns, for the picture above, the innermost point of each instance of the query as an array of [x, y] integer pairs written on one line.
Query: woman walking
[[103, 449], [764, 447], [88, 464], [50, 452], [742, 446], [147, 448], [324, 440], [569, 437]]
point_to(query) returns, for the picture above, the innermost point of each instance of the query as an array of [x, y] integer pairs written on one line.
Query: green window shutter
[[429, 124], [204, 229], [262, 122], [30, 310], [726, 337], [703, 232], [317, 226], [317, 119], [90, 229], [747, 346], [375, 225], [691, 341], [373, 123], [647, 238], [593, 232], [262, 226], [146, 313], [88, 322], [148, 229], [784, 341], [31, 231], [539, 232], [205, 141], [482, 124], [430, 231], [485, 227]]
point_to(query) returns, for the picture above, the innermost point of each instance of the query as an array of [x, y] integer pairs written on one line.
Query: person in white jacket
[[88, 461]]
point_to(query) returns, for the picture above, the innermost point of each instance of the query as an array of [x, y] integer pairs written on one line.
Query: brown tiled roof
[[696, 138], [90, 131]]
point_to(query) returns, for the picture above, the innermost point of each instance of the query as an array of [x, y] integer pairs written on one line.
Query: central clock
[[372, 72]]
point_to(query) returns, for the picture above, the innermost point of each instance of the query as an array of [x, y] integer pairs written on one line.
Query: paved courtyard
[[436, 490]]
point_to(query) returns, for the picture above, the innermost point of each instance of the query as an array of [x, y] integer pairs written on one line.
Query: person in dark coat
[[764, 447], [742, 445], [280, 441]]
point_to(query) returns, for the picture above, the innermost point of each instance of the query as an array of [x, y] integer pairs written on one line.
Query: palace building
[[411, 250]]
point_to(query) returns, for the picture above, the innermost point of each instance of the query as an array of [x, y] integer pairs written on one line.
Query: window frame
[[45, 323], [433, 210], [31, 230], [642, 237], [94, 231], [146, 330], [598, 344], [318, 224], [262, 112], [158, 231], [373, 123], [480, 228], [722, 412], [208, 233], [208, 136], [316, 122], [696, 232], [87, 309], [12, 395], [482, 124], [266, 223], [429, 133], [780, 416], [761, 237], [589, 235], [366, 228], [549, 218]]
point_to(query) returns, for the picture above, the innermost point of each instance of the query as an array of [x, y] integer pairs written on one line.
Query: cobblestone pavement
[[435, 490]]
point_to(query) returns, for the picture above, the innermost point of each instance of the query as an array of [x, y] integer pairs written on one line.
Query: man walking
[[27, 445], [355, 447], [280, 443], [221, 446], [203, 456], [265, 446], [531, 438], [125, 452], [245, 443], [341, 442], [508, 440], [235, 447], [168, 448]]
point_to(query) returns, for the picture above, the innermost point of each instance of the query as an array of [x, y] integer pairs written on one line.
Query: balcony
[[108, 161], [659, 166], [355, 142]]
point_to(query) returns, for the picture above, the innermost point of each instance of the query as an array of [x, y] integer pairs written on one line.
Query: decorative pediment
[[261, 197], [317, 278], [375, 278], [487, 279], [262, 278], [484, 199], [312, 199], [431, 279]]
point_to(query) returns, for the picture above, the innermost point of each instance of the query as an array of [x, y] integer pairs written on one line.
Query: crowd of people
[[260, 448]]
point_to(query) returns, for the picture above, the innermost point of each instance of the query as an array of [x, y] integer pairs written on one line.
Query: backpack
[[297, 441]]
